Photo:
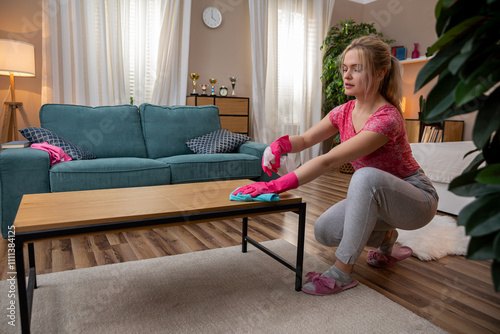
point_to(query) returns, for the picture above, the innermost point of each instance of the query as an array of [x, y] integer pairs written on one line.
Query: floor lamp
[[17, 59]]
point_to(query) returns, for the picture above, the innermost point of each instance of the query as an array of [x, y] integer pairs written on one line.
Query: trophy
[[213, 81], [193, 77], [233, 83], [203, 89]]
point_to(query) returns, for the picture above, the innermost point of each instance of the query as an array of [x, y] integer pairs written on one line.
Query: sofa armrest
[[252, 148], [22, 171]]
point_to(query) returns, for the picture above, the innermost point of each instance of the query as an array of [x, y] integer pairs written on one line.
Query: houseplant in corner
[[337, 39], [467, 64]]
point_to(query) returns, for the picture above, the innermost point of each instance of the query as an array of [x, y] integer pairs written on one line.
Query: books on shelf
[[16, 144], [432, 134]]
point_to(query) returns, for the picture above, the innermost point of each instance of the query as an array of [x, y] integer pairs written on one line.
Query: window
[[290, 71], [141, 35]]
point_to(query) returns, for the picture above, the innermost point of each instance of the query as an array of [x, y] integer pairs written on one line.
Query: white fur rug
[[441, 237]]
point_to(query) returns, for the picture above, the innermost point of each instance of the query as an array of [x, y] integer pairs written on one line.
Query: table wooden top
[[47, 211]]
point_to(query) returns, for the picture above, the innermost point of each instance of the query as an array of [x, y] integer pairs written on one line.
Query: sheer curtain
[[105, 52], [173, 54], [290, 66], [258, 38]]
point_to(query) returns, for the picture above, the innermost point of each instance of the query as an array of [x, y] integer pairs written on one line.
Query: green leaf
[[482, 216], [448, 3], [437, 10], [454, 33], [481, 248], [470, 45], [436, 65], [471, 152], [487, 119], [496, 247], [489, 175], [453, 110], [441, 20], [457, 62], [486, 53], [466, 185], [479, 82], [491, 151], [441, 97], [474, 165], [463, 185], [495, 273], [437, 111]]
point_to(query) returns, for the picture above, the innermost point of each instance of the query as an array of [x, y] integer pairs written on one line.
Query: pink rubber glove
[[280, 146], [284, 183]]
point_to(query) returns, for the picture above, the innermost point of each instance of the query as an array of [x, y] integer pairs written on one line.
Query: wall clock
[[212, 17]]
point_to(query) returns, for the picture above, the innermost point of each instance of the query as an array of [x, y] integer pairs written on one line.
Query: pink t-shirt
[[395, 157]]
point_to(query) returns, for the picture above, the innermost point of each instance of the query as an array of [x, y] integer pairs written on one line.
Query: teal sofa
[[135, 147]]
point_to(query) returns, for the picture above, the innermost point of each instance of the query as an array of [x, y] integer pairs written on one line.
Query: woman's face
[[353, 74]]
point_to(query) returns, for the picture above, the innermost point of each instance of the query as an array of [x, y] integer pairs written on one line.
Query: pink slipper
[[324, 286], [379, 260]]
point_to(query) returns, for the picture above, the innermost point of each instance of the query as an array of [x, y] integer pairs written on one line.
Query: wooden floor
[[454, 293]]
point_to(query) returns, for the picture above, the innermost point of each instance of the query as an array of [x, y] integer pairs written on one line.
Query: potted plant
[[334, 44], [467, 64]]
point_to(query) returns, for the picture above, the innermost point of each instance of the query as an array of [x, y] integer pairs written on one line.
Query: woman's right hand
[[272, 154]]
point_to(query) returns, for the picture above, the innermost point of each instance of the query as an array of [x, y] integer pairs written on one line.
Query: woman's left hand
[[284, 183], [255, 189]]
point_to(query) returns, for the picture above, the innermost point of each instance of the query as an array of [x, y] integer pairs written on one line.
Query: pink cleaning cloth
[[56, 154]]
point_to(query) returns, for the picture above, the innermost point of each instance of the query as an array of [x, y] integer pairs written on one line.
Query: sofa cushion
[[110, 131], [209, 167], [108, 173], [166, 129], [219, 141], [39, 135]]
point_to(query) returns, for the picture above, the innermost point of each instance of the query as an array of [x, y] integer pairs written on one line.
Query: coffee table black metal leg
[[31, 261], [24, 312], [300, 248], [244, 233], [298, 268]]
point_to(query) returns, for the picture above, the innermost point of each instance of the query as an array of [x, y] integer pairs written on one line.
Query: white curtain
[[291, 68], [173, 54], [105, 52], [258, 38]]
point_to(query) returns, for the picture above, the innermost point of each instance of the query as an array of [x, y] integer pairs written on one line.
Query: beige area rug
[[213, 291], [441, 237]]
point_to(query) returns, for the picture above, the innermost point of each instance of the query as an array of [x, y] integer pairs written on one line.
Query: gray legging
[[376, 203]]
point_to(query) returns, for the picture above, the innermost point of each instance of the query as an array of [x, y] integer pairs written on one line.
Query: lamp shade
[[17, 58]]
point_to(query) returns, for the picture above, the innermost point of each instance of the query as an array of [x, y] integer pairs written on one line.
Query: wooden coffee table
[[66, 214]]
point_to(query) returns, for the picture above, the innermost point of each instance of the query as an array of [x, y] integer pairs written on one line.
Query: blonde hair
[[375, 56]]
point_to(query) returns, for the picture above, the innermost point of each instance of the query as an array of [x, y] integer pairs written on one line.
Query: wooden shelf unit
[[233, 111], [451, 130], [415, 60]]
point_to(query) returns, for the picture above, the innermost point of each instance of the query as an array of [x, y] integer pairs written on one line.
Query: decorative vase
[[415, 53]]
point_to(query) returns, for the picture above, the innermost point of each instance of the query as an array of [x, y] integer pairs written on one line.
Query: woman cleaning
[[388, 189]]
